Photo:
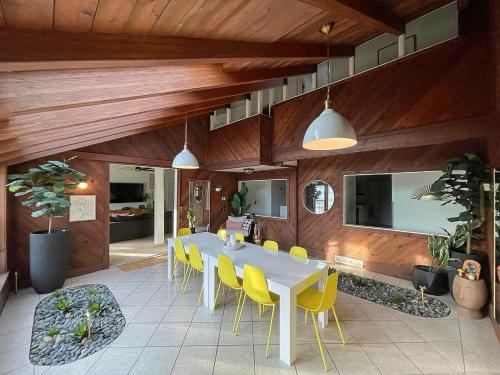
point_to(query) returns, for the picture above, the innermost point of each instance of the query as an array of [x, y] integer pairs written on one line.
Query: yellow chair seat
[[262, 297], [310, 299]]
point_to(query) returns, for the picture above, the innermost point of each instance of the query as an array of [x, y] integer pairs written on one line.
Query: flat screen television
[[126, 192]]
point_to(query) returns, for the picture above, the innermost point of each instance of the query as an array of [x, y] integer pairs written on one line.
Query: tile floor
[[130, 251], [167, 333]]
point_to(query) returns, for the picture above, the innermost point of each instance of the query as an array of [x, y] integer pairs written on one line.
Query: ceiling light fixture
[[248, 170], [330, 130], [185, 159]]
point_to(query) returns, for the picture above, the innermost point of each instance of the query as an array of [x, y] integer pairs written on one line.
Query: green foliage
[[63, 304], [190, 217], [397, 298], [357, 281], [461, 183], [80, 331], [47, 188], [439, 249], [96, 307], [91, 292], [239, 202], [57, 293], [52, 331]]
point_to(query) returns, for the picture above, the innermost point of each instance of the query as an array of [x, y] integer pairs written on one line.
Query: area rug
[[74, 323], [397, 298]]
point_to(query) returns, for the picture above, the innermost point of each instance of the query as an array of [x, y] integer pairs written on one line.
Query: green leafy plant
[[80, 331], [439, 249], [190, 218], [357, 281], [63, 304], [91, 292], [57, 293], [239, 202], [52, 331], [96, 307], [397, 298], [47, 187], [461, 183]]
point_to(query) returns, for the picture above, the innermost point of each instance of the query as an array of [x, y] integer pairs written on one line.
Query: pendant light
[[185, 159], [330, 130]]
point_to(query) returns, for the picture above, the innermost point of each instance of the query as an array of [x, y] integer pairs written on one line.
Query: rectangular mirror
[[390, 201], [267, 198]]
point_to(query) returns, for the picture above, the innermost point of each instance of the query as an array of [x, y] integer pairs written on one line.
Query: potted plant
[[433, 277], [240, 207], [47, 188], [191, 220], [462, 184]]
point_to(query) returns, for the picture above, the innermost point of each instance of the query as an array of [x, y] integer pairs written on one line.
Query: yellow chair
[[227, 276], [271, 245], [180, 256], [239, 237], [222, 234], [313, 301], [196, 263], [298, 251], [184, 232], [255, 287]]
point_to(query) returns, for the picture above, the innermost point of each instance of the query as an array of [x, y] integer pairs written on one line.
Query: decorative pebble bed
[[401, 299], [49, 348]]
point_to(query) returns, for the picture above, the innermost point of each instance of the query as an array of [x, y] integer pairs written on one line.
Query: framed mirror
[[318, 197]]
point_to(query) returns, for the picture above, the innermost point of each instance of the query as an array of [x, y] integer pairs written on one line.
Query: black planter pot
[[193, 230], [49, 260], [435, 283], [461, 254]]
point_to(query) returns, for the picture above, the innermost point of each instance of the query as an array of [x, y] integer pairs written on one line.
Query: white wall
[[259, 196], [415, 215]]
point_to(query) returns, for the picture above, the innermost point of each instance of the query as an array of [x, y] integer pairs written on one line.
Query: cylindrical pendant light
[[185, 159], [330, 130]]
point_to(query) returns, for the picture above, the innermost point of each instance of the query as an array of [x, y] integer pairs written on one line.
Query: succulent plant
[[57, 293], [52, 331], [80, 331], [63, 304]]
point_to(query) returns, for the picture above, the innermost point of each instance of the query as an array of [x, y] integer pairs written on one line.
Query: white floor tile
[[115, 361], [199, 360], [389, 359], [156, 361], [169, 334], [351, 359], [135, 335], [203, 334], [234, 360]]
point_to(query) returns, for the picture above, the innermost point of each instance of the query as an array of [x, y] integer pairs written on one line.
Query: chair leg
[[319, 341], [217, 294], [239, 314], [237, 311], [338, 325], [189, 272], [305, 317], [270, 330], [260, 310], [175, 268], [201, 293]]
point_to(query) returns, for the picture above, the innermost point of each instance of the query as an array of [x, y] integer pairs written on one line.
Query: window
[[267, 198]]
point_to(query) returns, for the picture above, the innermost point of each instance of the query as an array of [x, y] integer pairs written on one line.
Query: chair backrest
[[226, 272], [222, 234], [179, 251], [298, 251], [195, 257], [239, 237], [255, 285], [271, 245], [330, 292], [184, 232]]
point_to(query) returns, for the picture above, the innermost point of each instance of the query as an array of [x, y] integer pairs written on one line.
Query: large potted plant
[[434, 277], [240, 207], [462, 184], [191, 220], [47, 189]]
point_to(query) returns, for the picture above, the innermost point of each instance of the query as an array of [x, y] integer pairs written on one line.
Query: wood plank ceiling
[[78, 72]]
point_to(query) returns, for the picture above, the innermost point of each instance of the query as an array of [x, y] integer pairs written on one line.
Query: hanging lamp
[[330, 130], [185, 159]]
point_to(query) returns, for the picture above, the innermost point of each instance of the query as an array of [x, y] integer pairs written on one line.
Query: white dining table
[[286, 275]]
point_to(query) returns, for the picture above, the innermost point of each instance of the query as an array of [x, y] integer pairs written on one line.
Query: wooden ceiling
[[79, 72]]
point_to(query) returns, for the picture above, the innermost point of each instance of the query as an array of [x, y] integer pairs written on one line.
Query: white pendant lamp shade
[[185, 159], [329, 131]]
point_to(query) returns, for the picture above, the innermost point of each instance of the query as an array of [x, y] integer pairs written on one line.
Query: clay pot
[[470, 296]]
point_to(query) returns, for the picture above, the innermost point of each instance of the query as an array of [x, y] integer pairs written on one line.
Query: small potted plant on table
[[434, 277], [191, 220]]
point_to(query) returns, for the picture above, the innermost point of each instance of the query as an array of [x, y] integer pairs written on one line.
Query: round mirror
[[318, 197]]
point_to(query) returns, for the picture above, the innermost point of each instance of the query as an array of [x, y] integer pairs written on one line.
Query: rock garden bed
[[401, 299], [74, 323]]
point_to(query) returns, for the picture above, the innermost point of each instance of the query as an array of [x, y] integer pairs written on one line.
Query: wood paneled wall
[[244, 143], [280, 230], [386, 252], [89, 239]]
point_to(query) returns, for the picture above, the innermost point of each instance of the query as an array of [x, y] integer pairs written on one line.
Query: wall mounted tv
[[126, 192]]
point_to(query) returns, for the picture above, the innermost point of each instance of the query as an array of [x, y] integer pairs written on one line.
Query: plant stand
[[470, 296]]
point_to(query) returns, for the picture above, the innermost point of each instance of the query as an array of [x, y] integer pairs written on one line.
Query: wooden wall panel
[[448, 82], [283, 231], [3, 218], [386, 252], [89, 247]]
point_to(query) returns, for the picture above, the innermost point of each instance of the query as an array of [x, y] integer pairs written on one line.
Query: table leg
[[323, 317], [209, 281], [170, 261], [288, 327]]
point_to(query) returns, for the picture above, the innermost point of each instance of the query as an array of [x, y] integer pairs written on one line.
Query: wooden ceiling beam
[[28, 50], [367, 12]]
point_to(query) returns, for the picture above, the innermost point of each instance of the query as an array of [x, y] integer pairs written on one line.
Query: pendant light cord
[[327, 35], [186, 133]]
